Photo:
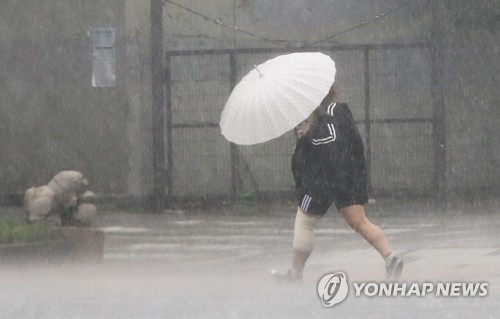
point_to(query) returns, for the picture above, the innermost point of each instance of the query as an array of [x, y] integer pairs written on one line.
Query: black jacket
[[330, 156]]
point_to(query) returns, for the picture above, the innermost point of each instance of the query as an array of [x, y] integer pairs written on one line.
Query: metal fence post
[[368, 150], [157, 76], [168, 127], [438, 125], [235, 156]]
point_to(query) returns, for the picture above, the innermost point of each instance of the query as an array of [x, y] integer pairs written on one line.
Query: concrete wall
[[51, 119], [138, 97], [470, 41]]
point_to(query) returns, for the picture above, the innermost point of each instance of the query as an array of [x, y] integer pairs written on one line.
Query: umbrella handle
[[256, 68]]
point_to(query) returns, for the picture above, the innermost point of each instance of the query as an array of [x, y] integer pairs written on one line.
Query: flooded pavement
[[215, 264]]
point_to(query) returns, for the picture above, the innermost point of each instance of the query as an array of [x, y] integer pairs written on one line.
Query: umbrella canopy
[[276, 96]]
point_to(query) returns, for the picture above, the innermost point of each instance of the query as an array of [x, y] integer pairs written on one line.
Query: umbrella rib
[[302, 92], [300, 79], [286, 114]]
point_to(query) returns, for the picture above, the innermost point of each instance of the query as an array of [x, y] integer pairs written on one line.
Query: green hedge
[[14, 232]]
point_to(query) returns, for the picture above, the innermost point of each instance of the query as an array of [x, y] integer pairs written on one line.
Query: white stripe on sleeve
[[330, 108], [329, 139]]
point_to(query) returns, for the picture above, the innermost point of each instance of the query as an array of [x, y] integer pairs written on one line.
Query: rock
[[38, 203], [66, 185], [87, 197], [84, 213]]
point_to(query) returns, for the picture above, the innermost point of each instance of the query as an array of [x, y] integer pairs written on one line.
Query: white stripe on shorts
[[305, 203]]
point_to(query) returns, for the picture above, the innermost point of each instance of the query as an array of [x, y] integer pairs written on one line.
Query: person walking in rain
[[329, 166]]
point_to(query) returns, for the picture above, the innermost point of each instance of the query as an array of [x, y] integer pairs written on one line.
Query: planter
[[76, 244], [87, 243], [42, 251]]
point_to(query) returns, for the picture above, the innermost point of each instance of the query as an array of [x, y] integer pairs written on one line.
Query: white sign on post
[[103, 56]]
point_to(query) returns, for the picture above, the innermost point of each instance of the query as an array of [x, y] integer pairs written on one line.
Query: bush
[[12, 232]]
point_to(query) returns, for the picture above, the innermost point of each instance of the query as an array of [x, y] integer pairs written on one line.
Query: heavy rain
[[195, 159]]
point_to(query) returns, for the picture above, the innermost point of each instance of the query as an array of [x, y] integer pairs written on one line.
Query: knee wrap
[[303, 235]]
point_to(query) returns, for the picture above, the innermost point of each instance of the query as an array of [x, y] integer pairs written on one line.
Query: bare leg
[[355, 216], [303, 243], [303, 239], [299, 259]]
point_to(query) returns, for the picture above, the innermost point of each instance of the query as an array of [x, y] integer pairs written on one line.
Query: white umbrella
[[276, 96]]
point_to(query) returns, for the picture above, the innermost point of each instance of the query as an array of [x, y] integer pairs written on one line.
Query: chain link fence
[[388, 88]]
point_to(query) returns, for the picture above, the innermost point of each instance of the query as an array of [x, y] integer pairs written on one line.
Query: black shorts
[[319, 203], [347, 189]]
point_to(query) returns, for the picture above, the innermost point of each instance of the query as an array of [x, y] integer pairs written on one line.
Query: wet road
[[215, 264]]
